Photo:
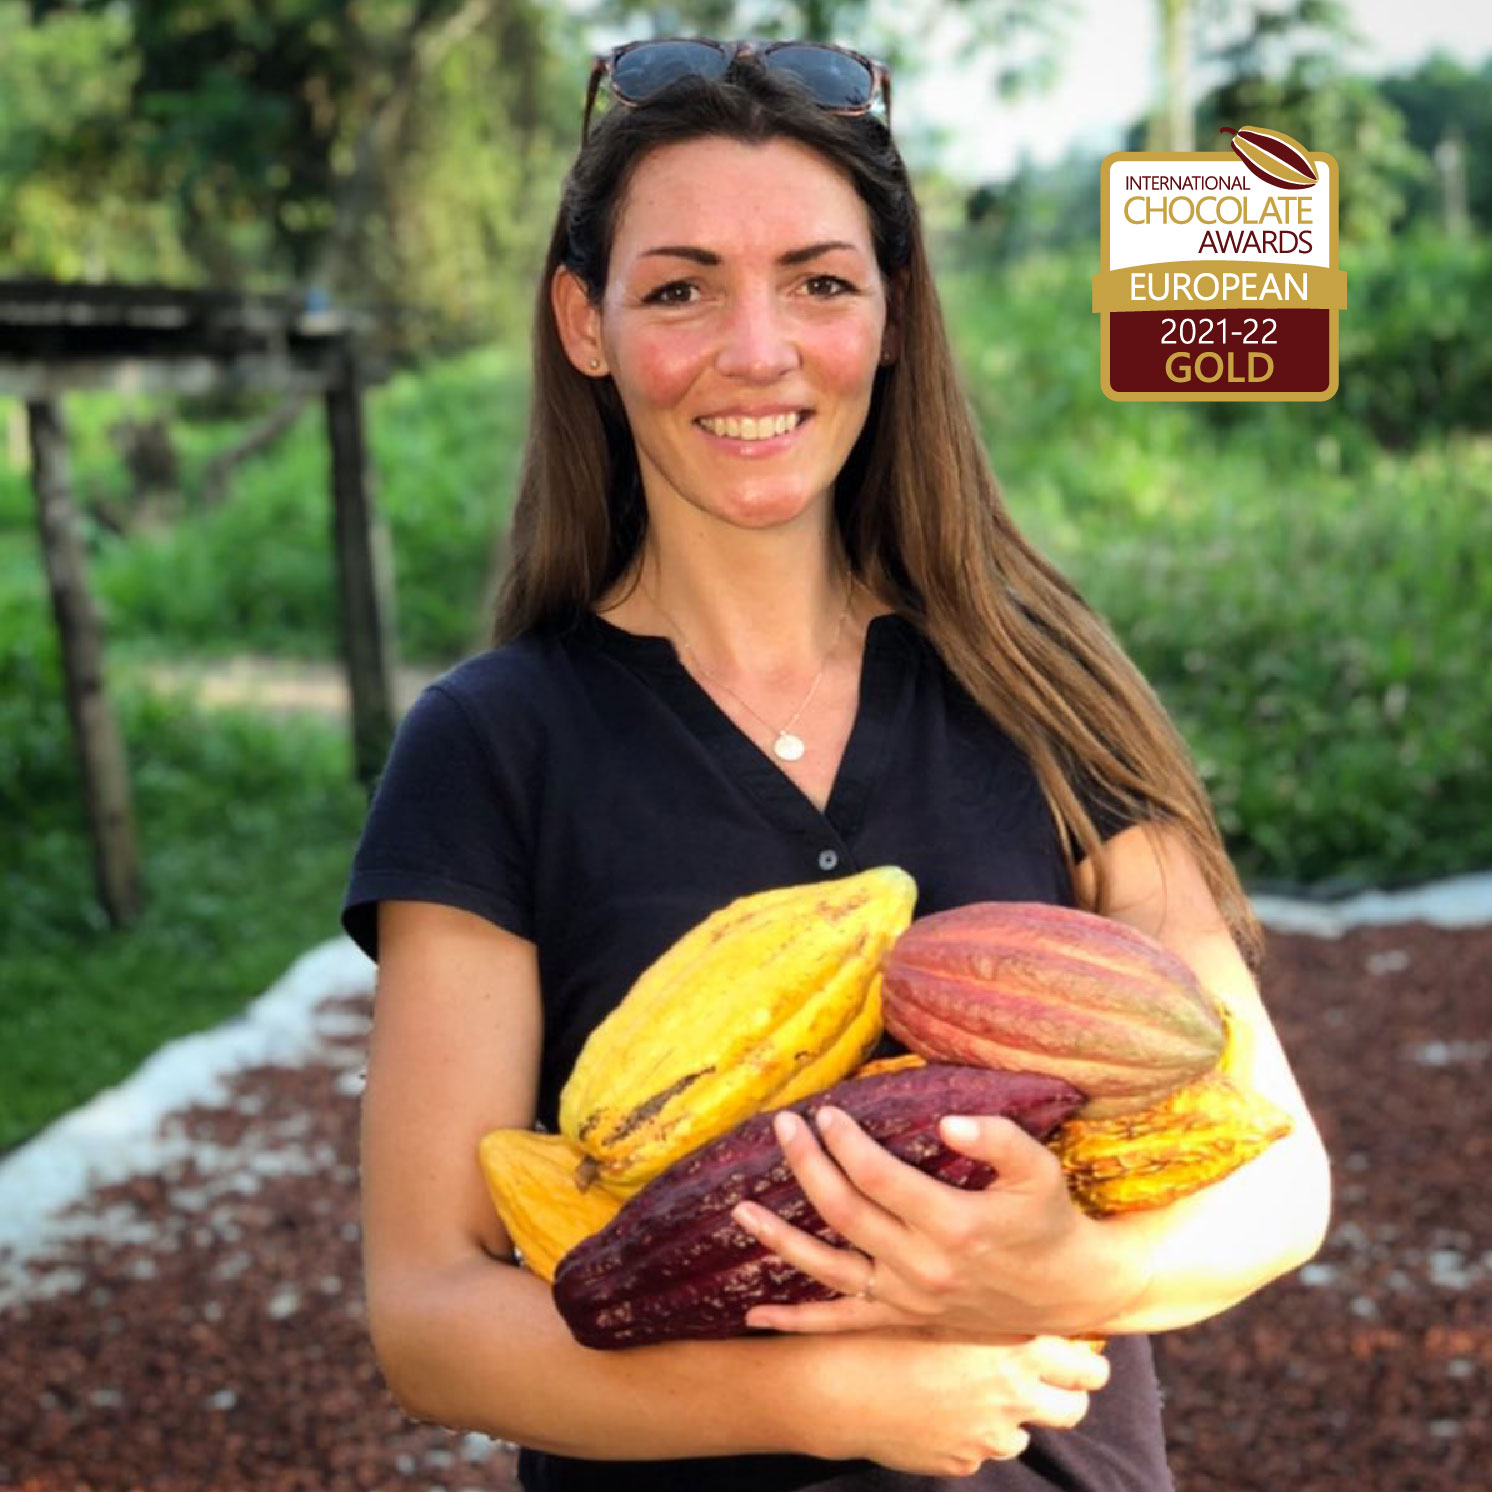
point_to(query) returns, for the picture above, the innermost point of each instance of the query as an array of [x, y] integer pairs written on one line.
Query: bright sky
[[1109, 72]]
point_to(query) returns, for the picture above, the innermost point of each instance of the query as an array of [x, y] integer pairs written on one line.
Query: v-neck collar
[[886, 683]]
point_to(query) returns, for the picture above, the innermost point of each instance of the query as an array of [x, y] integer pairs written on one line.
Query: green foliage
[[1385, 134], [1347, 117], [476, 187], [256, 573], [1414, 361], [446, 444], [1415, 357], [77, 204], [392, 156], [1444, 101], [38, 776], [1038, 208], [1323, 645], [232, 899], [1314, 611]]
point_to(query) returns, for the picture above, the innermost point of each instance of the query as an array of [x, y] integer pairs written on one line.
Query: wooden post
[[365, 592], [106, 783]]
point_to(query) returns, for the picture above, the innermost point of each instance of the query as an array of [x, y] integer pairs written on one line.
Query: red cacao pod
[[1039, 988], [673, 1265]]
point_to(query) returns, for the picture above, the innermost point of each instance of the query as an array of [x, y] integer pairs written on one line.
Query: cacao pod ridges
[[1196, 1137], [1051, 989], [771, 997], [674, 1265]]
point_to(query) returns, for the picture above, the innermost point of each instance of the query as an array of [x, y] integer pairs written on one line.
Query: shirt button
[[828, 859]]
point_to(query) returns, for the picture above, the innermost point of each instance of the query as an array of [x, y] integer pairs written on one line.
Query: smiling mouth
[[747, 427]]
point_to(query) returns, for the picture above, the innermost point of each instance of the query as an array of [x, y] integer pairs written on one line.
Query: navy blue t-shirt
[[580, 790]]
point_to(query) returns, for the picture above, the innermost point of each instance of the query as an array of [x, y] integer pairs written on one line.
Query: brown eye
[[675, 293], [825, 287]]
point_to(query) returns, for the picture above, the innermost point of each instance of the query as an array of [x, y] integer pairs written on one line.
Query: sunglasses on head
[[836, 79]]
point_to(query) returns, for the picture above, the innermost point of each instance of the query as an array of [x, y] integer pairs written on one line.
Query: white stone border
[[1463, 901], [116, 1134]]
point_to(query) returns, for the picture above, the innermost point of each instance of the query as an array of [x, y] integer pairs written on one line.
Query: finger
[[1010, 1445], [834, 1196], [846, 1270], [1065, 1363], [850, 1313], [1018, 1160], [915, 1199], [1059, 1408]]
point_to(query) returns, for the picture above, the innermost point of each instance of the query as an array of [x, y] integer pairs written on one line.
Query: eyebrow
[[709, 258]]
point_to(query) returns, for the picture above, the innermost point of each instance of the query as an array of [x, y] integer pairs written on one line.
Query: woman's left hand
[[1017, 1257]]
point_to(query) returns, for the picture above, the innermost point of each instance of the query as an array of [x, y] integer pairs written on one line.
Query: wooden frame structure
[[60, 338]]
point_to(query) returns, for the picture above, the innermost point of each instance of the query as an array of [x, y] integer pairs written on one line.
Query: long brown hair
[[918, 509]]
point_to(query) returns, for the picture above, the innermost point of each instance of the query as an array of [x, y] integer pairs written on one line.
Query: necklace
[[786, 746]]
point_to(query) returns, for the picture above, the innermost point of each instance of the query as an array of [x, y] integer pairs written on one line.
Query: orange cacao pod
[[1039, 988], [1200, 1134]]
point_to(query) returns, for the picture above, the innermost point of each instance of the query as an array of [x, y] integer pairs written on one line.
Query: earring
[[595, 362]]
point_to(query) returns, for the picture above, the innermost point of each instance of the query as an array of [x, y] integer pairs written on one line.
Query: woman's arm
[[471, 1341], [1021, 1256], [1213, 1249]]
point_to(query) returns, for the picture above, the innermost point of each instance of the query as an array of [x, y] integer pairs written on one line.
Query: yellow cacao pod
[[1196, 1136], [531, 1179], [771, 998]]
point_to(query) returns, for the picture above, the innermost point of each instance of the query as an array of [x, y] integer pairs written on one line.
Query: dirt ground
[[206, 1330], [276, 686]]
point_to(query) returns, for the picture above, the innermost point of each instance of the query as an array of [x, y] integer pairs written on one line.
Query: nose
[[757, 344]]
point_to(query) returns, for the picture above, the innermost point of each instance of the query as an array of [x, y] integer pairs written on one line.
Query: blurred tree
[[1025, 35], [1349, 118], [1284, 68], [78, 198], [1171, 126], [1443, 101], [314, 141]]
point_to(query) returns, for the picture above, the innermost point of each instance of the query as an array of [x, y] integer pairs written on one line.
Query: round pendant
[[788, 747]]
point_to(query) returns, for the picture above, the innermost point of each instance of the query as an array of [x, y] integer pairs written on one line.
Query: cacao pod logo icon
[[1273, 157]]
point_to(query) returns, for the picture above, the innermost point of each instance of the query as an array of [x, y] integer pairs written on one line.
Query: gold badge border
[[1203, 157]]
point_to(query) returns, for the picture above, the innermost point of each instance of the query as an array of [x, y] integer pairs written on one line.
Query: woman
[[766, 621]]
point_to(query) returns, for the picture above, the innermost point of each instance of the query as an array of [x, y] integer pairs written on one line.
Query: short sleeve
[[1109, 817], [1109, 812], [448, 824]]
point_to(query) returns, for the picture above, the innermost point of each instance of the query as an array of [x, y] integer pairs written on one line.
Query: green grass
[[245, 830], [234, 897]]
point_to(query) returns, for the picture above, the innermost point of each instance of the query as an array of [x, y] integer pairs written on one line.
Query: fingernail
[[747, 1216], [960, 1130], [826, 1118], [784, 1126]]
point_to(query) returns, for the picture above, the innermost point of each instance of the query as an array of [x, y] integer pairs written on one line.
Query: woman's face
[[743, 320]]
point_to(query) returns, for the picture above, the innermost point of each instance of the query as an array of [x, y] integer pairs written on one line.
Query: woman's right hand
[[936, 1406]]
